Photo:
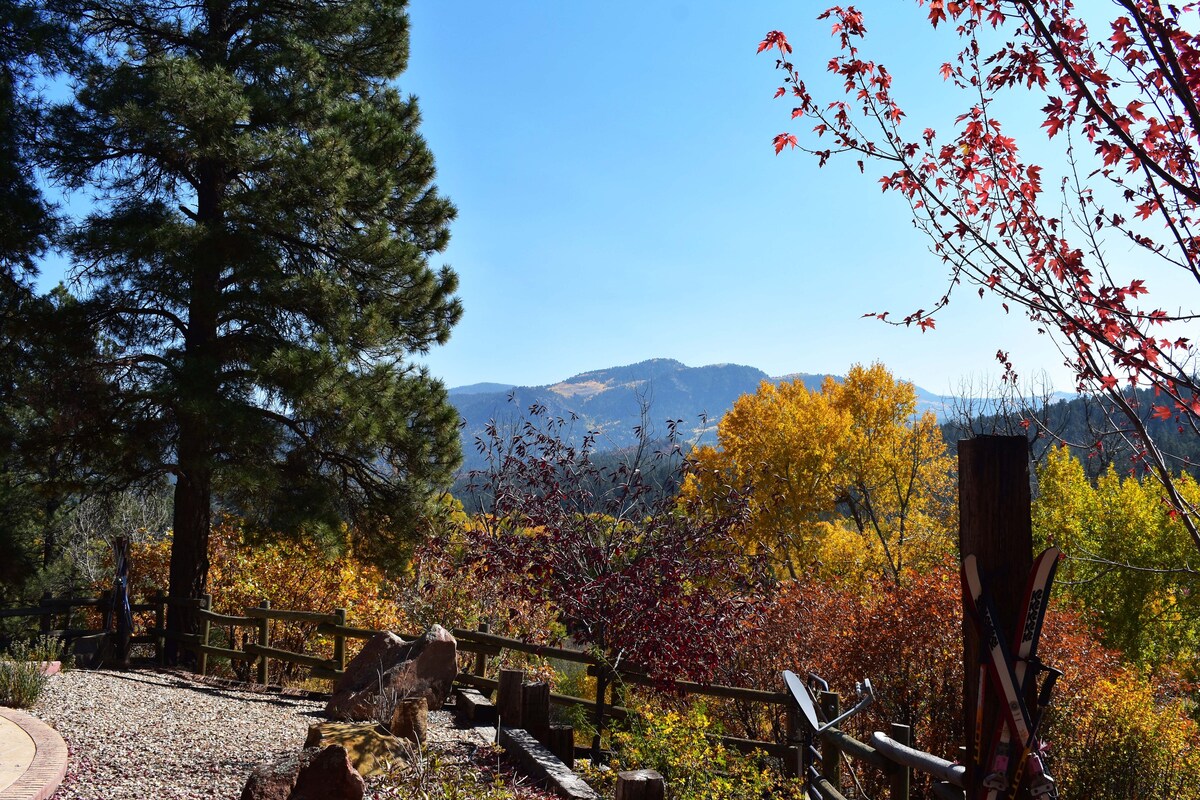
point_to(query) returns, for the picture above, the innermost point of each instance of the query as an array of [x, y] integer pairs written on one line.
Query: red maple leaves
[[1127, 101]]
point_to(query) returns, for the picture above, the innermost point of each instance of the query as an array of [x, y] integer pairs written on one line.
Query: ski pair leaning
[[1012, 669]]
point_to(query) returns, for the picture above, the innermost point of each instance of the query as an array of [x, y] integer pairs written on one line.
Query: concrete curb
[[49, 765]]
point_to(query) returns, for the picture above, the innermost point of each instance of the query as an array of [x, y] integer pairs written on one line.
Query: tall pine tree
[[33, 44], [258, 264]]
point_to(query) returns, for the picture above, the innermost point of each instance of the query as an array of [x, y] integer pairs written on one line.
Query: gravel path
[[142, 735]]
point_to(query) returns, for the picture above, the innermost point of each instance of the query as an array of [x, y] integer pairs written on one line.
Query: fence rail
[[890, 753]]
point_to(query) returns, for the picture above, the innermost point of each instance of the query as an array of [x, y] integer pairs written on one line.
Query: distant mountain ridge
[[609, 401]]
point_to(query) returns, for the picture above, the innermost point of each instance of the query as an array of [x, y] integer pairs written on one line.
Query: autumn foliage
[[1120, 95], [847, 480], [629, 570]]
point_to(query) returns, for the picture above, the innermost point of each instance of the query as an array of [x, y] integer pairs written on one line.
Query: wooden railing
[[889, 753], [49, 609]]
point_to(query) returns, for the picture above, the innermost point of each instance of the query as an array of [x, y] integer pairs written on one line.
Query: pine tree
[[258, 264], [32, 45]]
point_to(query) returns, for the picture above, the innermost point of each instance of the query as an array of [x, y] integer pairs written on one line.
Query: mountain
[[610, 401]]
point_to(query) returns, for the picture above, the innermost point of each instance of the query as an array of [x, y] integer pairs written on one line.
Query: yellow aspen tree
[[817, 465]]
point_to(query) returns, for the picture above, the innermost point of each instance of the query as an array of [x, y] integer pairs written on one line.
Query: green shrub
[[696, 767], [22, 678]]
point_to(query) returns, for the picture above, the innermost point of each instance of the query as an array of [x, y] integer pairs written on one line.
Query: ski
[[997, 657], [1024, 648], [1003, 669]]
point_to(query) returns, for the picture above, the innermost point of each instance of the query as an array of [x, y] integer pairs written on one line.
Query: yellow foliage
[[1124, 545], [1116, 739], [852, 457]]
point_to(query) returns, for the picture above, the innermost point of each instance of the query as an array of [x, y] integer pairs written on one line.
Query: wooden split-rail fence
[[820, 755]]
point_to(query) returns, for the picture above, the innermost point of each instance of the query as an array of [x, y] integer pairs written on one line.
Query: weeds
[[22, 671]]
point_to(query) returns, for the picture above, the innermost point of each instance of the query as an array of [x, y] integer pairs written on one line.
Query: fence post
[[641, 784], [995, 525], [831, 753], [160, 621], [901, 776], [508, 697], [264, 640], [339, 639], [47, 616], [535, 710], [601, 687], [561, 742], [481, 659], [205, 629], [793, 762]]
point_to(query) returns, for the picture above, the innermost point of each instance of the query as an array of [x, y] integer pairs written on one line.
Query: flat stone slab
[[33, 757], [543, 766], [472, 706]]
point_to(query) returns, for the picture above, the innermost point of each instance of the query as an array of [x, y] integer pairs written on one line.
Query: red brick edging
[[49, 766]]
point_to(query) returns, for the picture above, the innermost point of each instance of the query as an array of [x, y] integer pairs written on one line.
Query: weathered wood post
[[831, 753], [793, 762], [996, 526], [508, 697], [205, 629], [47, 616], [535, 710], [264, 640], [481, 658], [641, 784], [901, 776], [561, 742], [597, 738], [339, 639], [160, 626]]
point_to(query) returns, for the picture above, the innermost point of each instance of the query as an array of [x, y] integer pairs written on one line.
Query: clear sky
[[619, 198]]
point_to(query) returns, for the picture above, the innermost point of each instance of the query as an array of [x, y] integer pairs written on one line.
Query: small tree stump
[[508, 697], [535, 710], [561, 742], [641, 784]]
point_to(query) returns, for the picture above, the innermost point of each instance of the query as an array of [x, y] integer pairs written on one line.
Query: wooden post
[[508, 697], [641, 784], [561, 742], [793, 762], [901, 776], [831, 754], [205, 628], [160, 626], [535, 710], [597, 742], [996, 526], [264, 640], [481, 659], [47, 615], [339, 639]]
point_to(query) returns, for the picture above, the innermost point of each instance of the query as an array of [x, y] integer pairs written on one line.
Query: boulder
[[370, 748], [329, 776], [275, 780], [308, 774], [390, 669]]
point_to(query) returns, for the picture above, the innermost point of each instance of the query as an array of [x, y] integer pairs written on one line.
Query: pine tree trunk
[[198, 415], [189, 549]]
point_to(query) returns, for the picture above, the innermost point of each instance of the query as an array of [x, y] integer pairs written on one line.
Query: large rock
[[329, 776], [308, 774], [275, 781], [392, 669], [370, 747]]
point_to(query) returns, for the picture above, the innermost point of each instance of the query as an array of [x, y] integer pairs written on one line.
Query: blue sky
[[619, 198]]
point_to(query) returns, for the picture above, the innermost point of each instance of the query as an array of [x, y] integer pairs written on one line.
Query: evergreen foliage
[[257, 263]]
